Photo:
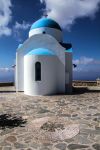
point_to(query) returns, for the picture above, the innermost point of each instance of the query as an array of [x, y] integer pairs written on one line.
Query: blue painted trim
[[41, 51], [20, 45], [45, 22], [69, 50]]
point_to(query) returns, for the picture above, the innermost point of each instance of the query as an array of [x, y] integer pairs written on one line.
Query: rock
[[11, 139], [96, 146], [77, 146], [61, 146]]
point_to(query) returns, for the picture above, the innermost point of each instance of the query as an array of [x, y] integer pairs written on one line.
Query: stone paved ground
[[18, 110]]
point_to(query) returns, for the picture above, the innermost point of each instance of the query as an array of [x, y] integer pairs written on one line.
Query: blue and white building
[[43, 61]]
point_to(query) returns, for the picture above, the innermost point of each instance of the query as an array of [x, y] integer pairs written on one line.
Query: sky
[[79, 20]]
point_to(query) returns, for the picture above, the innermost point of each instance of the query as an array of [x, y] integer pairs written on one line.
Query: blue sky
[[80, 21]]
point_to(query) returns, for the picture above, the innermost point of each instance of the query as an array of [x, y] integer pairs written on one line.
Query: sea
[[6, 77], [10, 77]]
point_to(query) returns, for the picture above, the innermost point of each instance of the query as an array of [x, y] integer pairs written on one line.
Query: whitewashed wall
[[57, 34], [48, 84], [37, 41]]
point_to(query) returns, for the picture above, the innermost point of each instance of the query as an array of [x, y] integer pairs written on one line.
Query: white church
[[44, 61]]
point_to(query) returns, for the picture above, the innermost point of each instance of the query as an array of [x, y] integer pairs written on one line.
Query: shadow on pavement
[[82, 90], [10, 121], [7, 91]]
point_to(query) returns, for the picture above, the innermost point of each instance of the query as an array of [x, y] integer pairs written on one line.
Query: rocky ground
[[18, 110]]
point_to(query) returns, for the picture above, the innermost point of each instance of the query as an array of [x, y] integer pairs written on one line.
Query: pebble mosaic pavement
[[83, 108]]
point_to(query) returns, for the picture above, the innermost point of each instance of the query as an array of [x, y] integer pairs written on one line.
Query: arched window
[[37, 71]]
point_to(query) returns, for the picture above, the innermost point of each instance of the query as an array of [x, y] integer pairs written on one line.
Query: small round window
[[44, 32]]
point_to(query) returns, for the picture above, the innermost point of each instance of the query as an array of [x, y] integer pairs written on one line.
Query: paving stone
[[19, 145], [97, 114], [6, 131], [69, 140], [96, 119], [34, 145], [66, 115], [89, 131], [47, 144], [74, 115], [7, 148], [82, 140], [11, 139], [61, 103], [92, 107], [4, 143], [77, 146], [67, 106], [89, 114], [61, 146], [96, 146], [97, 138], [44, 148], [43, 111], [97, 128]]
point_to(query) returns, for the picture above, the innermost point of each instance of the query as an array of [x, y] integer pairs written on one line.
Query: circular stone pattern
[[53, 129]]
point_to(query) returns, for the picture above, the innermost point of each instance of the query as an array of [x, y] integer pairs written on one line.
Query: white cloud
[[77, 69], [22, 26], [5, 17], [85, 61], [65, 12], [5, 69], [18, 29]]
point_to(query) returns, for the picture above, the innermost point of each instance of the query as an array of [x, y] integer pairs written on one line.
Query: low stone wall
[[84, 83]]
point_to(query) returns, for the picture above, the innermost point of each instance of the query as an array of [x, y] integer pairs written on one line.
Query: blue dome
[[45, 22], [41, 51]]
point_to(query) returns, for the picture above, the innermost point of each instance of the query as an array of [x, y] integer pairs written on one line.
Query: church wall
[[68, 71], [36, 41], [48, 84], [19, 72], [60, 77], [57, 34]]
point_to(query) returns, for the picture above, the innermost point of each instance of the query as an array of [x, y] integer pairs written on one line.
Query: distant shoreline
[[74, 83], [6, 84]]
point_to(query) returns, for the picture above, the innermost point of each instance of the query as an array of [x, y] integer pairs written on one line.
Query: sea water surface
[[6, 77]]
